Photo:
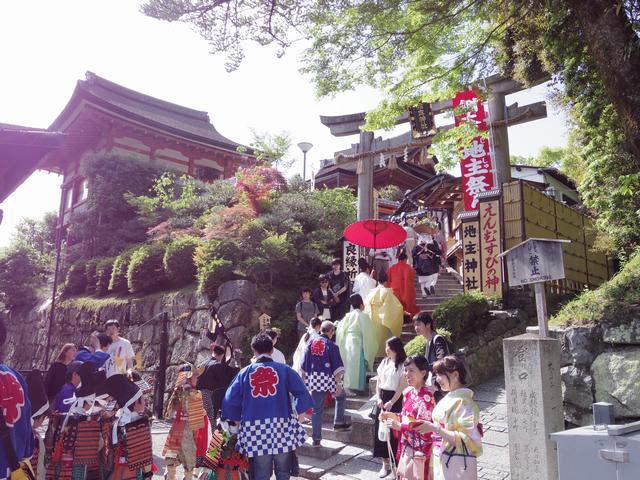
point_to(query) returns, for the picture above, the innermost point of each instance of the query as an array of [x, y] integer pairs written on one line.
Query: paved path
[[361, 465]]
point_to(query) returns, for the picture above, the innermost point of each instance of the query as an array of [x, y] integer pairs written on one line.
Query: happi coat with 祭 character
[[258, 398], [321, 364], [359, 339]]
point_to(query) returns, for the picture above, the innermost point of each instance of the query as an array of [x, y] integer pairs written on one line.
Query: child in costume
[[188, 436], [222, 460], [131, 433]]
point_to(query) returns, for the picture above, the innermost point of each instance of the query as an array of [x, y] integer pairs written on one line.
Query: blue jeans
[[318, 409], [261, 467]]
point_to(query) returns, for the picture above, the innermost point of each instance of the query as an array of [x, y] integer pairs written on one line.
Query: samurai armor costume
[[190, 421], [222, 461]]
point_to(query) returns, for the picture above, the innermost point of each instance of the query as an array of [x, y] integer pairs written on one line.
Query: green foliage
[[213, 273], [109, 224], [104, 269], [288, 338], [76, 281], [547, 157], [271, 150], [461, 315], [211, 249], [21, 273], [391, 192], [146, 271], [38, 234], [90, 267], [179, 263], [614, 302], [118, 282], [416, 346]]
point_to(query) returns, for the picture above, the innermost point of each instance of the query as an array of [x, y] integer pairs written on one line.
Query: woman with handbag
[[457, 437], [389, 389], [414, 450]]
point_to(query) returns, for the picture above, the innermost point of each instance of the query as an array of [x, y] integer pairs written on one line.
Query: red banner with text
[[476, 165]]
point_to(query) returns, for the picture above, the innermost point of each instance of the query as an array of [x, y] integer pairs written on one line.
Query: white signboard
[[534, 261]]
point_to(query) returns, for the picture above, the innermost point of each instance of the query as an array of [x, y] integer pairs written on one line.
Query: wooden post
[[161, 374], [541, 309], [365, 179], [499, 138]]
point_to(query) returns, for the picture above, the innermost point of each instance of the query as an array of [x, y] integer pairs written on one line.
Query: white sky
[[48, 46]]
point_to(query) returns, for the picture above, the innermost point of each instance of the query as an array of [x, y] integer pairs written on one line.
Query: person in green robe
[[357, 337]]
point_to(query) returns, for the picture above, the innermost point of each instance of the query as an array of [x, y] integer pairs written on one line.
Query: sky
[[48, 46]]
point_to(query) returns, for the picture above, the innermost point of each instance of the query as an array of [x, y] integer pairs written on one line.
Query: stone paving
[[357, 463]]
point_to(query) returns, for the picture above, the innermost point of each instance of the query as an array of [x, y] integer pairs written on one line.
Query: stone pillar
[[365, 179], [534, 402], [499, 138]]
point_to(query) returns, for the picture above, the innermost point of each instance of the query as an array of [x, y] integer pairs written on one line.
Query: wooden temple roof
[[438, 192], [21, 151]]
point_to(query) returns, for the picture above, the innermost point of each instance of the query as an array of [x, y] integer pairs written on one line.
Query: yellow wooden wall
[[528, 213]]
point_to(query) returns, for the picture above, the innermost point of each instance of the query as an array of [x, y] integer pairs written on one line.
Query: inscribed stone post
[[534, 402]]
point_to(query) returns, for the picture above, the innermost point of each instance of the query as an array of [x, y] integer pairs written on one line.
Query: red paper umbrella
[[375, 233]]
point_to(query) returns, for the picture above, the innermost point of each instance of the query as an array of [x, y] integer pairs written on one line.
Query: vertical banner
[[471, 266], [476, 165], [350, 259], [490, 247]]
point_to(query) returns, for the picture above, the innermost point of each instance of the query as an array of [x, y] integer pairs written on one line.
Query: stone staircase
[[338, 447]]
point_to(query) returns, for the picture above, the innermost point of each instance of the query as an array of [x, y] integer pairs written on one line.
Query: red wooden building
[[102, 116]]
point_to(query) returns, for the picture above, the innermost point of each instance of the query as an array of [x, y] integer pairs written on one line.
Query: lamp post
[[305, 147]]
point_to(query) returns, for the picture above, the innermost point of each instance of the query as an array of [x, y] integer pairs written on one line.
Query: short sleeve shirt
[[119, 352]]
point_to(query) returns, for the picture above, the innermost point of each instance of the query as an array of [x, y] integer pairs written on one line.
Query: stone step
[[360, 432], [314, 468], [326, 449]]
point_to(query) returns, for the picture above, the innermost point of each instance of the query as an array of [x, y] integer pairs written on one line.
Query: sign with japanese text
[[265, 321], [421, 120], [476, 165], [350, 259], [471, 267], [535, 261], [490, 247]]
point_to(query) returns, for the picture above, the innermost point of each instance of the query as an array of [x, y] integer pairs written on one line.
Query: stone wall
[[600, 363], [483, 351], [141, 322]]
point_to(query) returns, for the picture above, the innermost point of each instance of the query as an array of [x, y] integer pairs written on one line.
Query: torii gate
[[500, 116]]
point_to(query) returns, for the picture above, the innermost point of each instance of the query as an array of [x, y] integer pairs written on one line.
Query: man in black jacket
[[216, 376], [437, 345]]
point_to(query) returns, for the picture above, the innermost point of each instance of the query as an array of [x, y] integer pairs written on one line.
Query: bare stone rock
[[235, 313], [622, 334], [580, 345], [616, 377], [577, 388], [242, 290]]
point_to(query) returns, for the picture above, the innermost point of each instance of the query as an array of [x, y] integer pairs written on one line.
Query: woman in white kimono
[[357, 337], [363, 283]]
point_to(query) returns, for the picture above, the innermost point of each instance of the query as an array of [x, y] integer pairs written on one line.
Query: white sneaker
[[384, 471]]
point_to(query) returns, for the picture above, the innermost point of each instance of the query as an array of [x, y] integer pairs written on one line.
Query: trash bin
[[585, 453]]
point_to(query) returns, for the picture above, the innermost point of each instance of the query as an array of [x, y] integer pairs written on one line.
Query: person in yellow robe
[[386, 312], [357, 337]]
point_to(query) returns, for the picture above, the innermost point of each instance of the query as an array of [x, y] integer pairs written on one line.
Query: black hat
[[3, 330], [122, 389], [37, 393], [86, 377]]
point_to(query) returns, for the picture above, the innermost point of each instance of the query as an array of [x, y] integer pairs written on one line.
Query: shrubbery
[[103, 276], [179, 263], [418, 344], [21, 273], [462, 314], [212, 273], [146, 271], [118, 282], [90, 274], [76, 280]]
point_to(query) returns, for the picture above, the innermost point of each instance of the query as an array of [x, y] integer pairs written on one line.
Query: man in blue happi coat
[[259, 397]]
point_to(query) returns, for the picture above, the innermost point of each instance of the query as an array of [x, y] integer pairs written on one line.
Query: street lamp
[[305, 147]]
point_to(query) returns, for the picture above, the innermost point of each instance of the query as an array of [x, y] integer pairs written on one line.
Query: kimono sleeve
[[296, 387], [370, 342], [336, 360], [463, 421], [232, 402]]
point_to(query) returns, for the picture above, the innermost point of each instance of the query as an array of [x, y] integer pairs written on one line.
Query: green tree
[[38, 234], [21, 274], [271, 149]]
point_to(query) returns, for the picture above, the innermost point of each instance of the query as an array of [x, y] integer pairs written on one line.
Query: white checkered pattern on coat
[[321, 382], [270, 436]]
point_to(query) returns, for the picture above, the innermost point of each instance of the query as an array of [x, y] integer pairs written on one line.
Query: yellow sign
[[265, 321], [490, 247]]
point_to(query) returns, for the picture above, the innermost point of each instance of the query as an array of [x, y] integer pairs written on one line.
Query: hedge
[[103, 276], [118, 282], [76, 280], [178, 261], [212, 274], [224, 249], [463, 314], [418, 344], [145, 270]]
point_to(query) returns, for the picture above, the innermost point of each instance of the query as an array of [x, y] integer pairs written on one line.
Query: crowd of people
[[250, 421]]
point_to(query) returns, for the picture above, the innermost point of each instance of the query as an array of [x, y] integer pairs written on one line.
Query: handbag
[[458, 466], [411, 466]]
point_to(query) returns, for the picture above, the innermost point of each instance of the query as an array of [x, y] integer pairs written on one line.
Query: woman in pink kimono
[[417, 405]]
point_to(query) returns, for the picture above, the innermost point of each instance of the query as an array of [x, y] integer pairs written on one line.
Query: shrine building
[[104, 117]]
